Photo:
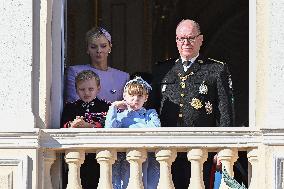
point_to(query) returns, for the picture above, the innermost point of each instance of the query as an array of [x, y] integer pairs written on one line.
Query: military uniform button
[[182, 84], [179, 115], [181, 105], [182, 95]]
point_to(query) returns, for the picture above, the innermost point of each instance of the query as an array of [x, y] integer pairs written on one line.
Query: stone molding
[[21, 177], [273, 137], [150, 137], [124, 138], [28, 139]]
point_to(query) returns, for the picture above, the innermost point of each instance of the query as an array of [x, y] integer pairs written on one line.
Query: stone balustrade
[[166, 143]]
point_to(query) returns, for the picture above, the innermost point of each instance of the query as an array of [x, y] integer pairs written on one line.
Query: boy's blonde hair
[[86, 75], [137, 86]]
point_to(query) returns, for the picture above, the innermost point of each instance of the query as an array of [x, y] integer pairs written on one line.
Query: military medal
[[230, 82], [208, 107], [203, 89], [183, 79], [164, 88], [196, 103]]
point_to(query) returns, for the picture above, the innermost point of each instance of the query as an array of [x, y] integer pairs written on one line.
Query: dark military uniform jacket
[[200, 97]]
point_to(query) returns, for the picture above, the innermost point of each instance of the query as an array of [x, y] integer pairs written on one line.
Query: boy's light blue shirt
[[141, 118]]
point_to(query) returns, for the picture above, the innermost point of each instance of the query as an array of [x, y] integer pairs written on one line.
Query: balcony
[[165, 142]]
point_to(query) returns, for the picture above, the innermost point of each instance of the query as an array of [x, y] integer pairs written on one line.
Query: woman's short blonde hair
[[96, 32]]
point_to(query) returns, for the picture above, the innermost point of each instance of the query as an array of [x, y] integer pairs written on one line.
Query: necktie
[[187, 63]]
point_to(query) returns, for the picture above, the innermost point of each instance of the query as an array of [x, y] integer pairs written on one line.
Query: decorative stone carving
[[6, 180], [278, 170], [14, 172]]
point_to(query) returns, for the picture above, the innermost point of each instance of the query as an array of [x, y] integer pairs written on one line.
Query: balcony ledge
[[150, 138]]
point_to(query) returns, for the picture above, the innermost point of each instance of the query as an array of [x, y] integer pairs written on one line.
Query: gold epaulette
[[216, 61]]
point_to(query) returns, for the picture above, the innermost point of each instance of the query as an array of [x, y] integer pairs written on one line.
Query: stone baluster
[[165, 157], [74, 159], [253, 159], [228, 158], [49, 158], [105, 158], [197, 157], [135, 157]]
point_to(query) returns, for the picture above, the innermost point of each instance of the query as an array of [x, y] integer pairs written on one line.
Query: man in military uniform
[[192, 91], [195, 91]]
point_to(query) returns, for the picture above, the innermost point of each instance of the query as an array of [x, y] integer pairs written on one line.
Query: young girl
[[88, 111], [130, 113]]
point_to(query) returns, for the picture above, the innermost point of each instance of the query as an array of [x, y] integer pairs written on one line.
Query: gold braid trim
[[216, 61]]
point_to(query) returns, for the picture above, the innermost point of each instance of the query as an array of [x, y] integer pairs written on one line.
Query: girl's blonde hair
[[137, 86], [135, 89]]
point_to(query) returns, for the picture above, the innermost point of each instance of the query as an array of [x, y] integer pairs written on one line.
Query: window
[[140, 28]]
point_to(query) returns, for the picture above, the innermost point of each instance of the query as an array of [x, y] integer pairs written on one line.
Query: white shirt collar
[[185, 68], [191, 60]]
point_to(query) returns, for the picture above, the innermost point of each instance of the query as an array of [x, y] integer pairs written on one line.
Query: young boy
[[88, 111], [130, 113]]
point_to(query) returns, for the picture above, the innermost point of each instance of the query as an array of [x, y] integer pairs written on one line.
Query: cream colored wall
[[269, 64], [275, 71], [16, 60], [261, 61]]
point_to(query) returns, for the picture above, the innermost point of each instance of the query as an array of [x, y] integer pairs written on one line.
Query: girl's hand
[[120, 105]]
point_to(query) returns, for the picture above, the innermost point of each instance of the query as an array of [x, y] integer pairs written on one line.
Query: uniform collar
[[140, 111], [191, 60], [88, 104], [178, 67]]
